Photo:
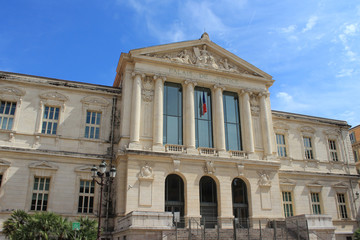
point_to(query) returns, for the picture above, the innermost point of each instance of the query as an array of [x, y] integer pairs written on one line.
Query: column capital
[[159, 77], [219, 86], [135, 73], [190, 81], [264, 93]]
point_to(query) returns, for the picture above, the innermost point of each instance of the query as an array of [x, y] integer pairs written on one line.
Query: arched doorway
[[240, 201], [174, 196], [208, 201]]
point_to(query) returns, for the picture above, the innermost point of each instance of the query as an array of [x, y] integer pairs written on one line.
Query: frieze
[[147, 90], [200, 56]]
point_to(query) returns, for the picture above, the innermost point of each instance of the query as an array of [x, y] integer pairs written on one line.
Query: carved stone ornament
[[210, 168], [287, 185], [254, 105], [4, 165], [147, 90], [314, 186], [176, 165], [281, 126], [44, 165], [202, 57], [11, 93], [264, 178], [146, 172], [340, 187], [240, 168], [307, 129], [98, 101], [54, 96]]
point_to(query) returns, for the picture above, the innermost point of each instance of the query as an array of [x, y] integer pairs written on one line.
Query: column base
[[135, 146], [223, 153], [192, 151], [226, 222], [158, 148]]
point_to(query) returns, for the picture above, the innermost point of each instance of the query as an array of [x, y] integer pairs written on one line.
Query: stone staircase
[[228, 234]]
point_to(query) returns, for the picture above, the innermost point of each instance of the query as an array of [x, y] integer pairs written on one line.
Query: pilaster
[[158, 114], [190, 116], [248, 126]]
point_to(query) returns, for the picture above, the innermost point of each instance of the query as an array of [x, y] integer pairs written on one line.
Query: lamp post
[[105, 178]]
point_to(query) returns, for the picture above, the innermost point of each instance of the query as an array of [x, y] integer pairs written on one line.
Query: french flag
[[204, 109]]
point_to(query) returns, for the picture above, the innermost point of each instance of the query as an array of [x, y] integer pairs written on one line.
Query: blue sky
[[311, 48]]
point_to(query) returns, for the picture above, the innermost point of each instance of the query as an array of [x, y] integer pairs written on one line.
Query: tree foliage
[[47, 226], [357, 234]]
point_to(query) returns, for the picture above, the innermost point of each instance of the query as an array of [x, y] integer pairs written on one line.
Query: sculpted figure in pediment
[[183, 57]]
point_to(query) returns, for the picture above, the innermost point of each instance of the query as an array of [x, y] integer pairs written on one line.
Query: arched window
[[240, 201], [208, 201], [174, 196]]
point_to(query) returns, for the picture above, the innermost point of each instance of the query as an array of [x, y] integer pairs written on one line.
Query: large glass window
[[40, 195], [232, 121], [174, 196], [208, 201], [240, 201], [50, 120], [86, 196], [203, 118], [7, 112], [172, 114]]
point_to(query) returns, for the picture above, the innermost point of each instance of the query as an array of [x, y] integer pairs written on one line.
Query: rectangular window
[[281, 147], [333, 152], [342, 205], [352, 137], [92, 126], [315, 203], [50, 120], [172, 114], [232, 121], [356, 157], [40, 195], [308, 148], [7, 112], [203, 118], [288, 204], [86, 196]]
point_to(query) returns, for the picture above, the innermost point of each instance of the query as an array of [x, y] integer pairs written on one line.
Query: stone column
[[135, 111], [248, 126], [190, 116], [225, 203], [219, 115], [158, 114], [265, 124]]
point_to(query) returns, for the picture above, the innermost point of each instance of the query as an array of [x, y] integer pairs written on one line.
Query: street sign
[[76, 226]]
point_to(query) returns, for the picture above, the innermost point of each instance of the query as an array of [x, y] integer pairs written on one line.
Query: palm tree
[[88, 229], [14, 227]]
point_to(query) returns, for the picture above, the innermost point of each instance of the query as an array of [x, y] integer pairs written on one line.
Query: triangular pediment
[[202, 54], [43, 165]]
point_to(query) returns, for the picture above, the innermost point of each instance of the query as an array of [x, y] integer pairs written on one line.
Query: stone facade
[[131, 138]]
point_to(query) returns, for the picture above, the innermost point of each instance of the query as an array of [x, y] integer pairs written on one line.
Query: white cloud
[[345, 73], [310, 24], [350, 29], [287, 102], [285, 97], [289, 29]]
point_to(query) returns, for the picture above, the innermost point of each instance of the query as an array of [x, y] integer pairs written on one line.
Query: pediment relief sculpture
[[287, 185], [280, 126], [307, 129], [11, 93], [98, 101], [209, 167], [54, 96], [202, 57], [43, 165]]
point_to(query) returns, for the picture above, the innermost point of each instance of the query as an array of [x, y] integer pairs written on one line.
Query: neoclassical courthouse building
[[189, 128]]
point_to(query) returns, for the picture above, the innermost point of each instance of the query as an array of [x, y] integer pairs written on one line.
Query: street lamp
[[105, 178]]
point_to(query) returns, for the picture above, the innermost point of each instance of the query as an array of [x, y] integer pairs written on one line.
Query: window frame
[[89, 195], [96, 126], [12, 94], [209, 120], [94, 104], [42, 192], [288, 203], [333, 152], [50, 111], [316, 204], [308, 149], [180, 115], [284, 145], [237, 123], [51, 99], [342, 205]]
